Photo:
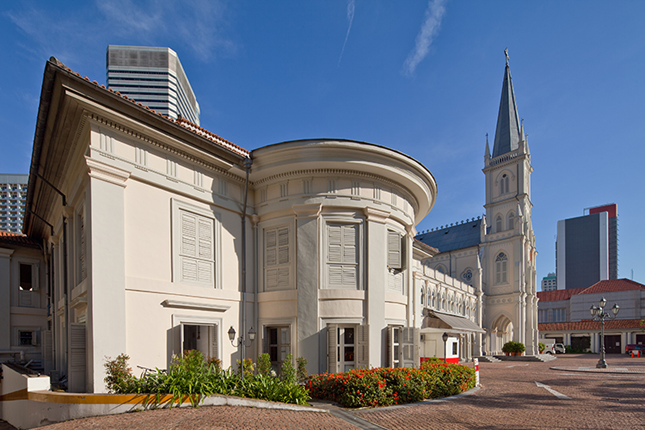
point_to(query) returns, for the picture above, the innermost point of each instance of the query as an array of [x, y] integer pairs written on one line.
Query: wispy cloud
[[351, 7], [74, 33], [429, 29]]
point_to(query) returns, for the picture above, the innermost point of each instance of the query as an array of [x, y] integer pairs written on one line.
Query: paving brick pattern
[[208, 417], [509, 399]]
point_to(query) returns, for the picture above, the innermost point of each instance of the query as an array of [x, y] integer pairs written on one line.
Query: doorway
[[346, 348], [200, 337]]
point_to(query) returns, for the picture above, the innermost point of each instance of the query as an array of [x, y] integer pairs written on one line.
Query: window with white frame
[[196, 244], [500, 268], [542, 315], [277, 264], [511, 219], [559, 315], [342, 256]]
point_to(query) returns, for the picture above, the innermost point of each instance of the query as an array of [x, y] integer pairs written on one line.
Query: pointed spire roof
[[507, 134]]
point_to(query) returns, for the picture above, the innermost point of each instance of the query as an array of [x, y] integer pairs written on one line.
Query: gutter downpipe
[[247, 165], [65, 274]]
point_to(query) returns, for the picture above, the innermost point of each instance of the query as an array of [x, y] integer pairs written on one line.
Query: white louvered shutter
[[362, 347], [410, 347], [393, 250], [197, 250], [77, 360], [276, 259], [332, 348], [342, 256]]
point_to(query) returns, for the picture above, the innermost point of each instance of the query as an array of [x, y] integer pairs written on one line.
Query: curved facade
[[334, 222]]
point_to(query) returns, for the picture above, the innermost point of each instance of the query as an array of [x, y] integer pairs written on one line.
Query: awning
[[452, 322]]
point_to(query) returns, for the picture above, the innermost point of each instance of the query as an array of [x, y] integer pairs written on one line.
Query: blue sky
[[423, 77]]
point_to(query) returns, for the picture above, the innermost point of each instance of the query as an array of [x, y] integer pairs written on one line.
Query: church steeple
[[507, 135]]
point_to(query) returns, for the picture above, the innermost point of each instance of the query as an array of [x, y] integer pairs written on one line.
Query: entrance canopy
[[452, 322]]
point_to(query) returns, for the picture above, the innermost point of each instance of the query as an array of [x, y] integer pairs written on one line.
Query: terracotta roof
[[17, 239], [589, 325], [613, 285], [182, 122], [556, 295]]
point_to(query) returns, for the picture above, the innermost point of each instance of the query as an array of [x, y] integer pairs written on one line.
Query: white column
[[106, 325], [307, 281], [376, 260]]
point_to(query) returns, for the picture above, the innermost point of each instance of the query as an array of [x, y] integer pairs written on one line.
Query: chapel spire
[[507, 135]]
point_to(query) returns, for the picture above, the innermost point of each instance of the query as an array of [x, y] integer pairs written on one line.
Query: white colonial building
[[154, 236]]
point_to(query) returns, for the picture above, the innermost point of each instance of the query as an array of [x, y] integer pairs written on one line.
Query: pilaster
[[106, 287], [307, 283]]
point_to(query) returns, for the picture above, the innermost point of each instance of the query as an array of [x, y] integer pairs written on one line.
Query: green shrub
[[118, 376], [541, 347], [301, 372], [192, 378], [264, 364], [287, 371], [386, 386], [513, 347]]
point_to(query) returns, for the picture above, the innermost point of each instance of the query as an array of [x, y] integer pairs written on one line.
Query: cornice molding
[[181, 154], [307, 211], [338, 172], [376, 215], [106, 172]]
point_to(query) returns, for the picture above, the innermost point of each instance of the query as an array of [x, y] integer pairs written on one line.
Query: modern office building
[[13, 194], [550, 282], [154, 77], [586, 248], [612, 235]]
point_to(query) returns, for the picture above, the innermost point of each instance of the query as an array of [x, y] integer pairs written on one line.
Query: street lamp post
[[598, 313], [241, 342], [445, 339]]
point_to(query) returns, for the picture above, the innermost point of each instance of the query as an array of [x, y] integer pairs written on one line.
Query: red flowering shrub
[[386, 386]]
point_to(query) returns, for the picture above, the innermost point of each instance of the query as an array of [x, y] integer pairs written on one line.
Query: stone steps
[[488, 359], [535, 358]]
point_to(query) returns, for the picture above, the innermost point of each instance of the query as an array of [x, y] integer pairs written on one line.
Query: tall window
[[500, 268], [196, 241], [498, 223], [25, 277], [503, 184], [276, 258], [342, 256], [511, 220]]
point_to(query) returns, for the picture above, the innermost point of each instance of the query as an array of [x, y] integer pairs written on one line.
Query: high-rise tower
[[154, 77]]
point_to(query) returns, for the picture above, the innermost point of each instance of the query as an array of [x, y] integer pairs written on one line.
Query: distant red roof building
[[557, 295], [612, 285], [589, 325]]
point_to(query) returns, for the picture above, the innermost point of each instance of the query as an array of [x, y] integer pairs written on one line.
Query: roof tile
[[589, 325], [557, 295], [613, 285], [17, 239]]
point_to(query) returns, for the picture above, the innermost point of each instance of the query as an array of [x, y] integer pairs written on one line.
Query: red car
[[632, 347]]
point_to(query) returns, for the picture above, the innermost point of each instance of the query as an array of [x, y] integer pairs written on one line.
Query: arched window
[[511, 220], [498, 223], [500, 268], [440, 269], [503, 184]]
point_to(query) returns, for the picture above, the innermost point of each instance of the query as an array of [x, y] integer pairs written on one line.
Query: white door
[[347, 348]]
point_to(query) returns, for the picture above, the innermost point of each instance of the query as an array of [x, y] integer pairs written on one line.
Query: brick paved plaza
[[509, 399]]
